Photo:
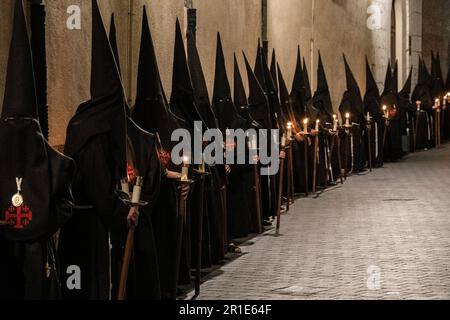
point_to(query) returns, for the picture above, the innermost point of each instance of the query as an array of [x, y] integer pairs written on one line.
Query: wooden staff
[[347, 151], [257, 198], [316, 147], [417, 129], [339, 157], [280, 189], [369, 134], [129, 246], [306, 166], [291, 176]]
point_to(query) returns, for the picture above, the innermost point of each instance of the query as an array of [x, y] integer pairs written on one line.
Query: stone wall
[[333, 27], [436, 31]]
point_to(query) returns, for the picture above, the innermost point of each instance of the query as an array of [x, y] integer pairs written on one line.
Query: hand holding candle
[[185, 169]]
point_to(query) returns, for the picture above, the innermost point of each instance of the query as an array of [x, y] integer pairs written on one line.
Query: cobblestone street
[[392, 225]]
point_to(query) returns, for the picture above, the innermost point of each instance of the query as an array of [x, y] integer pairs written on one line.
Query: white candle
[[418, 103], [347, 119], [289, 130], [437, 103], [125, 187], [317, 124], [202, 167], [185, 169], [368, 116], [335, 121], [136, 199], [305, 125], [283, 141]]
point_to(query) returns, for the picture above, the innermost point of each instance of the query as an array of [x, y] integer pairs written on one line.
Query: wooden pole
[[316, 146], [126, 264], [257, 199], [280, 194]]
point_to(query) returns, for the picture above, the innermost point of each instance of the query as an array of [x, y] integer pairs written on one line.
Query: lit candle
[[185, 169], [305, 125], [283, 141], [418, 103], [125, 187], [289, 130], [136, 199], [336, 122], [385, 111], [202, 167], [317, 124], [437, 103], [445, 101], [347, 119], [368, 116]]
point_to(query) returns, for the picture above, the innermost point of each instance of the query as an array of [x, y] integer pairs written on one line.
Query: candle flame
[[384, 108], [334, 116], [347, 115], [306, 121]]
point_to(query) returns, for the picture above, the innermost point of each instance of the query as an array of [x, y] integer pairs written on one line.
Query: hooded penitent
[[96, 138], [213, 238], [437, 81], [389, 95], [273, 70], [372, 105], [352, 103], [239, 180], [297, 94], [422, 90], [105, 113], [35, 179], [141, 283], [151, 112]]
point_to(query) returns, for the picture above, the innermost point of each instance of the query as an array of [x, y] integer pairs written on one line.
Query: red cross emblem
[[18, 218], [131, 175]]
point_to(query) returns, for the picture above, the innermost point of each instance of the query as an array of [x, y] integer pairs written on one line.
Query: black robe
[[144, 281]]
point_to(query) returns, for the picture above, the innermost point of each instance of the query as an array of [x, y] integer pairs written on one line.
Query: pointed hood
[[297, 84], [20, 90], [352, 100], [240, 97], [182, 101], [322, 98], [285, 98], [225, 110], [200, 88], [151, 111], [257, 100], [395, 78], [422, 90], [437, 78], [46, 174], [259, 67], [406, 90], [372, 98], [388, 85], [105, 113], [447, 83], [273, 70], [404, 100]]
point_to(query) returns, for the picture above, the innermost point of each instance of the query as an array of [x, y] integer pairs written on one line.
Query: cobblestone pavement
[[392, 225]]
